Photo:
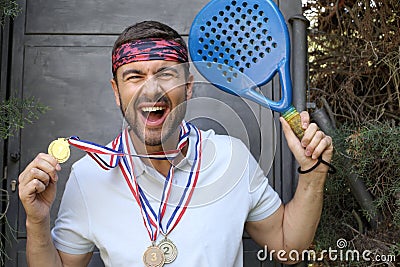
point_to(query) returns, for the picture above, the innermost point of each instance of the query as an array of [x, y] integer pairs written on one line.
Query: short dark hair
[[148, 29]]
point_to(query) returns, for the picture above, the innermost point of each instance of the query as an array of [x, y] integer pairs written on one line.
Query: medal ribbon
[[152, 220], [121, 155], [94, 150], [187, 194]]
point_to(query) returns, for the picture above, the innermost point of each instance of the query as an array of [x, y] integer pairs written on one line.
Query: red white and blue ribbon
[[120, 155], [184, 201], [116, 151]]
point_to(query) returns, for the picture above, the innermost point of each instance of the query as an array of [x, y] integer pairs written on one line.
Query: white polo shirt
[[98, 209]]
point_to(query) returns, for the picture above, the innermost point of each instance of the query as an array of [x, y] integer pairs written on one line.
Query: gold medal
[[153, 257], [59, 149], [169, 249]]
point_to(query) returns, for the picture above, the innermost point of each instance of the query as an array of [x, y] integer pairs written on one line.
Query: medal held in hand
[[59, 149], [169, 249], [153, 257]]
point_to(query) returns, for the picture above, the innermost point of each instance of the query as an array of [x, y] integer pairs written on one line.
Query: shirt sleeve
[[264, 199], [71, 231]]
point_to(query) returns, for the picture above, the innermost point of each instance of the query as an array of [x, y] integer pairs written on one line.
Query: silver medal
[[169, 249]]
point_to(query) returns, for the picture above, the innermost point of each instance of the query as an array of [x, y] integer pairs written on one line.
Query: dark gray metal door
[[61, 53]]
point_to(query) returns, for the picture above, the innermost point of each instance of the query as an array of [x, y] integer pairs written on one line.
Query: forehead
[[149, 66]]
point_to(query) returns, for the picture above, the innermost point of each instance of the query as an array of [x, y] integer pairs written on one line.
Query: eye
[[166, 75], [133, 78]]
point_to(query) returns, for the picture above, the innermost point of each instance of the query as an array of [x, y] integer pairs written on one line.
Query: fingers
[[309, 133], [40, 172], [305, 119], [315, 141], [324, 145], [37, 186]]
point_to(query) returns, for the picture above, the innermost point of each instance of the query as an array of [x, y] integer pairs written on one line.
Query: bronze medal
[[153, 257], [169, 249], [59, 149]]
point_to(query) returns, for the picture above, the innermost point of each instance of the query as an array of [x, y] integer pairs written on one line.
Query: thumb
[[292, 140]]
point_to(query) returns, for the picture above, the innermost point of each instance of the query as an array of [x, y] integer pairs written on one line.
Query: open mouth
[[154, 114]]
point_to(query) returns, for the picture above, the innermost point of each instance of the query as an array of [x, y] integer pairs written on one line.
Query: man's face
[[152, 96]]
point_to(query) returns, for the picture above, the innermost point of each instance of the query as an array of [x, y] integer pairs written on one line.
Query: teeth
[[152, 109]]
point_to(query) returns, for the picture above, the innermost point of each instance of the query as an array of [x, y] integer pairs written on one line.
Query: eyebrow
[[136, 71], [130, 71]]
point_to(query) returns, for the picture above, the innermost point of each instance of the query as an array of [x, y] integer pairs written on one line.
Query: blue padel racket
[[233, 39]]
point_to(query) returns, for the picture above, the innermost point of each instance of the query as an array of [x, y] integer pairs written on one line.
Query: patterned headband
[[148, 49]]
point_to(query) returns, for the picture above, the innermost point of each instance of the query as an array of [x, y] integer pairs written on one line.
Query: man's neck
[[162, 166]]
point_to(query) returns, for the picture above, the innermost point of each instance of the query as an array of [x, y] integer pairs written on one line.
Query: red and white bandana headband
[[148, 49]]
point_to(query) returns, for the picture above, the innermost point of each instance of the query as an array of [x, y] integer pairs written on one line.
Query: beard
[[154, 136]]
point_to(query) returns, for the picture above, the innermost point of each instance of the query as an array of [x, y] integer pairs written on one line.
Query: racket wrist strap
[[331, 169]]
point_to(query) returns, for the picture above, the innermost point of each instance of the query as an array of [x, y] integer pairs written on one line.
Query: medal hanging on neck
[[154, 221], [120, 155], [169, 248]]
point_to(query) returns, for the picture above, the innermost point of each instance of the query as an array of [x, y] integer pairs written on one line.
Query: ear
[[116, 91], [189, 87]]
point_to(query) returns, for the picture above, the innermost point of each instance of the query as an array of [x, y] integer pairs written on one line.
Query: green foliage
[[374, 151], [8, 8], [395, 250], [354, 50], [371, 152], [339, 203], [15, 113]]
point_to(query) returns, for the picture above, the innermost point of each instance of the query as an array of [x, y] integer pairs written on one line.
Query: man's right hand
[[37, 187]]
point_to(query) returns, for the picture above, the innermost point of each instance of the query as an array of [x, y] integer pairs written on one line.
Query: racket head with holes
[[243, 38]]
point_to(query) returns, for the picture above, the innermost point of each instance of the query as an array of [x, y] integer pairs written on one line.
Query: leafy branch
[[8, 8], [15, 113]]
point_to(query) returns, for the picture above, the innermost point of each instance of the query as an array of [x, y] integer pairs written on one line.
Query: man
[[192, 207]]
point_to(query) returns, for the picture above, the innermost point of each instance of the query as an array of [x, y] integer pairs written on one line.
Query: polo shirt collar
[[185, 163]]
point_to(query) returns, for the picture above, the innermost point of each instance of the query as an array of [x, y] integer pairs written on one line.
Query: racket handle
[[292, 116]]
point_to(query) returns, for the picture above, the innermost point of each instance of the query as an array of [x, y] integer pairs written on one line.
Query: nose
[[151, 87]]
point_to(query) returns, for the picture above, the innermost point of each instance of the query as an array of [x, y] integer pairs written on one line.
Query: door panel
[[106, 17], [74, 83]]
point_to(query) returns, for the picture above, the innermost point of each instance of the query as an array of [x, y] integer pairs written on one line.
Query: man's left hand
[[314, 144]]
